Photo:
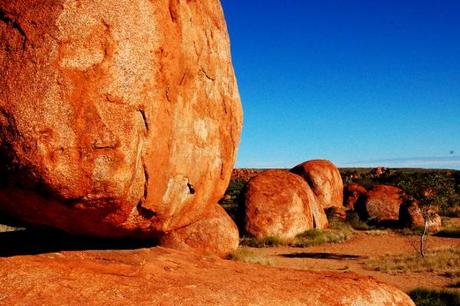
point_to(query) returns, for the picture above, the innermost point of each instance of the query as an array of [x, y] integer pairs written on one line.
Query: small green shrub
[[428, 297], [356, 223], [262, 243], [337, 232]]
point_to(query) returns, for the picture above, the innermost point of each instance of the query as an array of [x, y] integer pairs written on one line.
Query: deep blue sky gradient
[[361, 83]]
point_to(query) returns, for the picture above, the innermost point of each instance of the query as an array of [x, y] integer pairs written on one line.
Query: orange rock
[[117, 118], [215, 233], [279, 204], [325, 181], [352, 193], [412, 216], [383, 203], [161, 276]]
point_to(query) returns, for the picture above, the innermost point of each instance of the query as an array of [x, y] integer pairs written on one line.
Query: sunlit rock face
[[278, 204], [117, 118], [383, 203], [215, 234], [325, 181]]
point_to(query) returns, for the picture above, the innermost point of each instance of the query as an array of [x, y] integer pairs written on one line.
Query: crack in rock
[[16, 26]]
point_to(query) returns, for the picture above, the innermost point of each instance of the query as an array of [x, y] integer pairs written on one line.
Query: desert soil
[[355, 252]]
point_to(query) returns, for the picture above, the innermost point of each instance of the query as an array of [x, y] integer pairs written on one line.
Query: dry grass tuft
[[249, 256], [336, 233], [441, 261]]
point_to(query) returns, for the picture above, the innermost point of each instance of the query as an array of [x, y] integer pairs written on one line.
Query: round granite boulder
[[277, 204], [117, 118], [325, 181]]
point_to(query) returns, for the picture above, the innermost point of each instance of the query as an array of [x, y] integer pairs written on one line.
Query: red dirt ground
[[352, 254]]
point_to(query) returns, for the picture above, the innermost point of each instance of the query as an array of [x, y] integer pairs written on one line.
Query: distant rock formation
[[117, 118], [215, 233], [379, 172], [325, 181], [277, 204], [383, 203]]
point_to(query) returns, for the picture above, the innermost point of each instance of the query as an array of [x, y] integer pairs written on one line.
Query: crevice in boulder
[[144, 118], [16, 26], [143, 211], [190, 187], [206, 74], [173, 10]]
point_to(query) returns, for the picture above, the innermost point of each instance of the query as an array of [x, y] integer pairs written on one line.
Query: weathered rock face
[[383, 203], [117, 118], [352, 193], [215, 233], [159, 276], [412, 216], [277, 204], [325, 181]]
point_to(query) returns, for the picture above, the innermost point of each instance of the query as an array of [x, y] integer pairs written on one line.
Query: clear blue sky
[[361, 83]]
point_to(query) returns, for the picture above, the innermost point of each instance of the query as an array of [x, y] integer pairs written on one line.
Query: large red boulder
[[383, 203], [215, 233], [117, 118], [352, 193], [159, 276], [325, 181], [277, 204]]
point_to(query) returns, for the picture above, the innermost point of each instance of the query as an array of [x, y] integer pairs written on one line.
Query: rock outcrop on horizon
[[278, 204], [215, 234], [117, 118], [383, 203], [160, 276], [324, 179]]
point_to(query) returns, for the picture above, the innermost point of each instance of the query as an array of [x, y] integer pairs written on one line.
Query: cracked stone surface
[[116, 118]]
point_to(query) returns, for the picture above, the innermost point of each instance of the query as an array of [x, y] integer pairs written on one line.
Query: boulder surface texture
[[383, 203], [215, 233], [352, 194], [117, 118], [160, 276], [277, 204], [413, 216], [325, 181]]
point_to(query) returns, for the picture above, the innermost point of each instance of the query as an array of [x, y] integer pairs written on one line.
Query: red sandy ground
[[366, 246]]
